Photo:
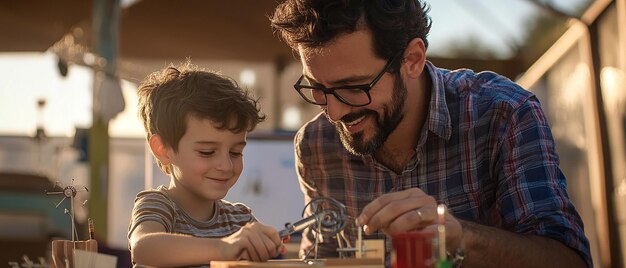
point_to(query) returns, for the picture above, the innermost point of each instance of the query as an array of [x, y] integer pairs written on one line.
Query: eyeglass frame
[[331, 90]]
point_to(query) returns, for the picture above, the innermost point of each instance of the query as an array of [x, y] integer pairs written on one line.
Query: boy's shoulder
[[233, 208], [158, 191], [155, 195]]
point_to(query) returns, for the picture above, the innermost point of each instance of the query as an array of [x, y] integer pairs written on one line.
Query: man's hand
[[255, 242], [405, 211]]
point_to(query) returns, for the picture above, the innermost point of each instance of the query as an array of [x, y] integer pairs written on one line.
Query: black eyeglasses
[[353, 95]]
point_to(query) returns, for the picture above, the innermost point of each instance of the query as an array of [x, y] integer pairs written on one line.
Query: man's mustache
[[353, 116]]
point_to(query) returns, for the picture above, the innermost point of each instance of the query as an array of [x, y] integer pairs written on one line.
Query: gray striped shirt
[[156, 205]]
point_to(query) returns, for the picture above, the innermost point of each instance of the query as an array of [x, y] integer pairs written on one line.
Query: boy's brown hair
[[168, 97]]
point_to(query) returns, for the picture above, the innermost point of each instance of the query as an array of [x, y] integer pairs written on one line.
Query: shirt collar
[[438, 120]]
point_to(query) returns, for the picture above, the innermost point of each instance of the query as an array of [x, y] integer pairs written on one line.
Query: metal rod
[[301, 224], [57, 206], [72, 217]]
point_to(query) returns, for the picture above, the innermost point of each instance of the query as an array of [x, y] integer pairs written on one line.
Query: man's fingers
[[411, 220], [431, 228], [382, 201], [454, 230], [426, 214], [405, 211]]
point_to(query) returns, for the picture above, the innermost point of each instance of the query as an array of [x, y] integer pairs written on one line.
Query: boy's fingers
[[271, 248], [264, 242], [259, 247], [286, 239], [250, 248], [244, 255], [272, 234], [275, 242]]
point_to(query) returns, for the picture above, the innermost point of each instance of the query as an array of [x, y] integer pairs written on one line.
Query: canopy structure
[[170, 31], [217, 30], [35, 25]]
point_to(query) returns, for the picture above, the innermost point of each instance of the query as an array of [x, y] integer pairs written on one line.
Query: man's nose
[[335, 109]]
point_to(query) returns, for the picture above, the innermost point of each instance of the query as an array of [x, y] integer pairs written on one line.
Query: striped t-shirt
[[156, 205]]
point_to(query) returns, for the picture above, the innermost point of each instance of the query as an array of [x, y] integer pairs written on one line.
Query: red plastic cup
[[412, 250]]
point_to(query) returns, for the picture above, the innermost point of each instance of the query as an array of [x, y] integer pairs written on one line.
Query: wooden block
[[374, 249], [63, 251]]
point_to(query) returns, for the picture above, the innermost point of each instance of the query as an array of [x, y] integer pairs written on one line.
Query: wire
[[481, 12], [550, 8]]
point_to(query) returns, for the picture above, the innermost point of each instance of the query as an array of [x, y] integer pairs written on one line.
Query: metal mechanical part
[[328, 217], [69, 192], [327, 213]]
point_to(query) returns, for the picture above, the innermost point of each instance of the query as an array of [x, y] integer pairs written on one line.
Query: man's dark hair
[[313, 23]]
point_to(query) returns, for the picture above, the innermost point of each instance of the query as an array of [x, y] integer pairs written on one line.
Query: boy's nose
[[335, 109], [225, 163]]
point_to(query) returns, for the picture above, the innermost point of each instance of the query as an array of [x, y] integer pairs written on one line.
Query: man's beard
[[393, 112]]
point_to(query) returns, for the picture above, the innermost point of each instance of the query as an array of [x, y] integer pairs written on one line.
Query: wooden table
[[295, 263]]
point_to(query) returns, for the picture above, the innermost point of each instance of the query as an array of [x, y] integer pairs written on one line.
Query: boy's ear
[[414, 58], [159, 149]]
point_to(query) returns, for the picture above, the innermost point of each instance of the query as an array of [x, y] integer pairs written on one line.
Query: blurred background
[[69, 70]]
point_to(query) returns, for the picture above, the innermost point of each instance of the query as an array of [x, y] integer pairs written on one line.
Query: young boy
[[196, 124]]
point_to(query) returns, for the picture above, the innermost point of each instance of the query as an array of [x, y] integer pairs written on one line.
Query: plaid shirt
[[485, 150]]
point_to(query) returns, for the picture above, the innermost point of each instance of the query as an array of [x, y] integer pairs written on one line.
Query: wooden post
[[105, 44]]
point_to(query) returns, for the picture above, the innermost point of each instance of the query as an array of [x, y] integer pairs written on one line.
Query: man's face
[[350, 60]]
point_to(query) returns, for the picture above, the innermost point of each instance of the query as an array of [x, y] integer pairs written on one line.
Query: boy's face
[[209, 160]]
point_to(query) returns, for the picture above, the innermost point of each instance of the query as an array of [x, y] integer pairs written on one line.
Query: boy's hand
[[255, 241]]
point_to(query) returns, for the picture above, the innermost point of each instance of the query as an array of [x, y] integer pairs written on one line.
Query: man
[[398, 136]]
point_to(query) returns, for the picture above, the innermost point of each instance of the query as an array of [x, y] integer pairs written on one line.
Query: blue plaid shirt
[[486, 151]]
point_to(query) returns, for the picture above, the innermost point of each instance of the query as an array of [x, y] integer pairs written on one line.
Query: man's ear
[[414, 58], [159, 149]]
